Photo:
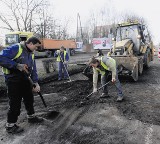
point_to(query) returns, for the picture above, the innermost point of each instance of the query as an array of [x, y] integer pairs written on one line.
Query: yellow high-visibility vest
[[59, 59], [104, 66], [7, 71]]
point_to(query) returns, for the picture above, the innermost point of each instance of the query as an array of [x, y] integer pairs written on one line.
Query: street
[[136, 120], [79, 72]]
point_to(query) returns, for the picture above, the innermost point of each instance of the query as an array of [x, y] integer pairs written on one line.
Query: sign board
[[79, 46], [102, 43]]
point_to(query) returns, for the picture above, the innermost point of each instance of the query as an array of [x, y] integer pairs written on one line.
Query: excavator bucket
[[88, 72], [127, 66]]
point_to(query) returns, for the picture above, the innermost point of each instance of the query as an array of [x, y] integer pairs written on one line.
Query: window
[[11, 39], [127, 32]]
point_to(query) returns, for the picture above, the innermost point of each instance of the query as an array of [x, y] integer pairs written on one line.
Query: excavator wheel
[[140, 67], [72, 52], [147, 59], [135, 73]]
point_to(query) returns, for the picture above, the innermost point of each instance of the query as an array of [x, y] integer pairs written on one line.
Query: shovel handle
[[98, 89], [33, 85], [31, 82], [44, 103]]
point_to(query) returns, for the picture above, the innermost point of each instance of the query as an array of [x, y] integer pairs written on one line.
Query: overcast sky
[[149, 9]]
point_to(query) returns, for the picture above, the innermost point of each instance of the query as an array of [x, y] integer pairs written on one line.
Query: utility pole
[[77, 30], [81, 33]]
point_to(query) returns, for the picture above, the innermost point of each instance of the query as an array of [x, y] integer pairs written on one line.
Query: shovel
[[33, 85], [51, 112], [87, 98]]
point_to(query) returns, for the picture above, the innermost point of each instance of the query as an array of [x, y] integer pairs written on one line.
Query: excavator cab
[[126, 34]]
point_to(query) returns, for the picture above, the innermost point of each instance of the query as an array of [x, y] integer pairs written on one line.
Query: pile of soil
[[133, 106]]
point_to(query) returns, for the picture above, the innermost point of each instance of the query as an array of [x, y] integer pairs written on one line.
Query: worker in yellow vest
[[62, 59], [18, 61], [104, 65]]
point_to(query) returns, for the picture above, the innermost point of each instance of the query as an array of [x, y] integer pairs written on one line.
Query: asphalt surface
[[136, 120]]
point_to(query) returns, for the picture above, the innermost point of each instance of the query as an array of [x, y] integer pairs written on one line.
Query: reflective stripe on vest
[[32, 56], [59, 59], [7, 71], [104, 66]]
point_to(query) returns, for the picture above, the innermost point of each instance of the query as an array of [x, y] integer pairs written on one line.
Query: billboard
[[79, 46], [102, 43]]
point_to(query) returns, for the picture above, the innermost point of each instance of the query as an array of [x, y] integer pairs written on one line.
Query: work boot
[[14, 129], [35, 119], [66, 78], [120, 98], [104, 95]]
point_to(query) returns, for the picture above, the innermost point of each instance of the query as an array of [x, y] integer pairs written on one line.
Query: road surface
[[97, 121]]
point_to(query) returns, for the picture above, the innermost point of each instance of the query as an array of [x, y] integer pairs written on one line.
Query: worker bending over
[[62, 59], [17, 62], [104, 65]]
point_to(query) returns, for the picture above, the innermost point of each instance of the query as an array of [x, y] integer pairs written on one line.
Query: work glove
[[22, 68], [58, 52], [94, 90], [113, 80], [37, 88]]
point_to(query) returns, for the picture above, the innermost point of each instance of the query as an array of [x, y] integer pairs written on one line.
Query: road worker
[[62, 59], [104, 65], [88, 68], [17, 61]]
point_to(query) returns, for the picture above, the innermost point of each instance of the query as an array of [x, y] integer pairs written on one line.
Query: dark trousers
[[104, 79], [18, 89], [62, 69]]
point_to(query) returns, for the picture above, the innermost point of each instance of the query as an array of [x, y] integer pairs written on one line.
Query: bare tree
[[133, 17], [93, 22], [4, 20], [64, 29], [54, 28], [44, 22], [22, 13], [102, 22]]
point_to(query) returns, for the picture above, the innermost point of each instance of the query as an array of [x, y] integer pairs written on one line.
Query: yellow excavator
[[132, 48]]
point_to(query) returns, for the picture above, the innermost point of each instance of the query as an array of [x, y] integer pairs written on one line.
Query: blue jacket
[[62, 56], [6, 60]]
